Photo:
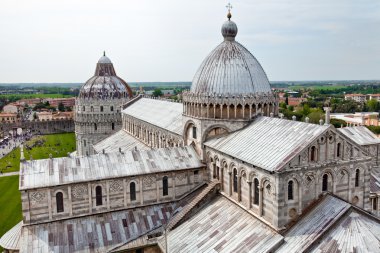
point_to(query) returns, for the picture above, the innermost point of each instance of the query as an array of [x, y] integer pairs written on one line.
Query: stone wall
[[39, 205], [266, 194], [41, 126], [95, 120], [153, 136]]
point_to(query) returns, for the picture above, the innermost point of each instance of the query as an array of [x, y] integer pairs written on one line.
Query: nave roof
[[119, 140], [361, 135], [161, 113], [268, 143], [67, 170]]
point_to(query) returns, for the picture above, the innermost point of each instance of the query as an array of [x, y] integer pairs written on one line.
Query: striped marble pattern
[[356, 232], [96, 233], [222, 226], [314, 224]]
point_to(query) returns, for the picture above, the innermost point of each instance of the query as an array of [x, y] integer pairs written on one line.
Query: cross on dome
[[229, 7]]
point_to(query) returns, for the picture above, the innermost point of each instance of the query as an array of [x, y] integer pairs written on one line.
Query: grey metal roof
[[161, 113], [355, 232], [96, 233], [105, 83], [11, 239], [360, 135], [269, 143], [222, 226], [230, 69], [58, 171], [120, 139], [314, 224]]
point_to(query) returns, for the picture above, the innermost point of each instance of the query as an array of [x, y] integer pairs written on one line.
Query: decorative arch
[[189, 130], [218, 130], [328, 185]]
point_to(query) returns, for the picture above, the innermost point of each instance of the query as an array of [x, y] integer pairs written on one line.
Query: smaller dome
[[104, 59], [229, 30]]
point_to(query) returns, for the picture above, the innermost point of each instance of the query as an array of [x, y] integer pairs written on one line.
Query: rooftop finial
[[229, 7], [104, 53]]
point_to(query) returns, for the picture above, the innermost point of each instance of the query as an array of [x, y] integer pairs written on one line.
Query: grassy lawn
[[39, 147], [10, 204]]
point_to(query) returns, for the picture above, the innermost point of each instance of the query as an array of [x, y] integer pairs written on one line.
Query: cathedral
[[219, 171]]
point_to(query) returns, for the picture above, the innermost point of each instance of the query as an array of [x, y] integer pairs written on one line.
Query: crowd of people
[[11, 142]]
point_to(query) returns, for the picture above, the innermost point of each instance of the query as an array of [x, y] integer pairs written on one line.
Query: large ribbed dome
[[105, 83], [230, 69]]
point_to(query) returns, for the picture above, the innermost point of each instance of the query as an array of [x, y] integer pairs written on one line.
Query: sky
[[166, 40]]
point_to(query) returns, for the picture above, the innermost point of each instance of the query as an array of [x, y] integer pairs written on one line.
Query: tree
[[337, 123], [315, 116], [61, 107], [373, 105], [157, 93]]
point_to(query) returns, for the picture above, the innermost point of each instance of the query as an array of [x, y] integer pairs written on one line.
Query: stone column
[[229, 183], [173, 178], [70, 201], [250, 195], [260, 201], [141, 191], [239, 188]]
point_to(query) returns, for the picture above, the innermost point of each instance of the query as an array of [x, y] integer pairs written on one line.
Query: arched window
[[165, 186], [132, 191], [325, 182], [235, 181], [194, 132], [111, 108], [257, 191], [113, 126], [98, 193], [92, 108], [101, 108], [95, 126], [313, 154], [84, 143], [338, 150], [83, 108], [374, 204], [59, 201], [357, 177], [290, 190]]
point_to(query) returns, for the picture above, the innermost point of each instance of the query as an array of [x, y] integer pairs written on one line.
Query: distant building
[[44, 115], [358, 118], [374, 96], [356, 97], [8, 117], [32, 102], [67, 102], [295, 101], [11, 108]]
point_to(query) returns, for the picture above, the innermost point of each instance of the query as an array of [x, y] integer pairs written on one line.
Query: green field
[[10, 204], [321, 87], [39, 147], [14, 97]]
